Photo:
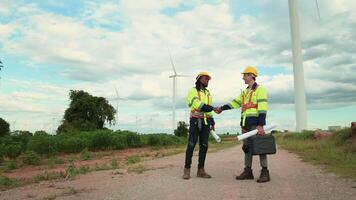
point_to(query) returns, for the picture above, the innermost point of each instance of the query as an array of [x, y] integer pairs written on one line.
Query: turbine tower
[[174, 77], [299, 88]]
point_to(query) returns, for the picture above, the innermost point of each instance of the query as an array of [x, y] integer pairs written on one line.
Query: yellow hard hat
[[250, 70], [203, 74]]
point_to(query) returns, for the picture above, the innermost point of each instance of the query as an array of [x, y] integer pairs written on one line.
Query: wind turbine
[[174, 78], [299, 87], [117, 102], [117, 105]]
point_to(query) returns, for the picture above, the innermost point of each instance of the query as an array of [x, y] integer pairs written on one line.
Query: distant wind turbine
[[117, 98], [174, 77], [117, 105]]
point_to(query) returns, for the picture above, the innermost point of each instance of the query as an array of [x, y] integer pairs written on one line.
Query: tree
[[86, 113], [4, 127], [182, 130]]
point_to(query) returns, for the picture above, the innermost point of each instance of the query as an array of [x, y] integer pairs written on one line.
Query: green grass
[[6, 183], [114, 164], [133, 159], [336, 154], [53, 161], [85, 154], [73, 171], [139, 169]]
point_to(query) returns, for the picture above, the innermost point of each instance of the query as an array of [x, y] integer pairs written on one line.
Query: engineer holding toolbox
[[253, 103]]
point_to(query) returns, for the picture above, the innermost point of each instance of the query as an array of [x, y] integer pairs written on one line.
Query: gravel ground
[[161, 179]]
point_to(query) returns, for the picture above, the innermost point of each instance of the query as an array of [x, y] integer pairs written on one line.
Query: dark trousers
[[197, 129]]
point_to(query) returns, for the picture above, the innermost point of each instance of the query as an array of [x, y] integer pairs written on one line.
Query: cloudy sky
[[50, 47]]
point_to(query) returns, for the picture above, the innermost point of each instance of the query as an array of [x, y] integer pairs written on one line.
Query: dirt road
[[161, 179]]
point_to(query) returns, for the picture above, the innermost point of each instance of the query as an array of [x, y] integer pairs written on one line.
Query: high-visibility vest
[[195, 100], [256, 102]]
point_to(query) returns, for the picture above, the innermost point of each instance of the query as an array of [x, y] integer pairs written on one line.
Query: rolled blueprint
[[216, 137], [254, 132]]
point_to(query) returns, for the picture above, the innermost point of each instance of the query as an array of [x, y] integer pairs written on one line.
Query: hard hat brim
[[198, 77], [249, 73]]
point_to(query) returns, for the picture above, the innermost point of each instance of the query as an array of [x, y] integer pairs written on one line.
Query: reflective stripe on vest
[[195, 113], [249, 104]]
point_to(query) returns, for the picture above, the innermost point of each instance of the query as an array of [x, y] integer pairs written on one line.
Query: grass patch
[[133, 159], [114, 164], [11, 165], [30, 158], [85, 154], [138, 169], [52, 162], [7, 183], [336, 154], [46, 176]]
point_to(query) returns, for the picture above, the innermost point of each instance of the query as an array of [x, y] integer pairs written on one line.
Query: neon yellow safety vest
[[252, 103], [196, 100]]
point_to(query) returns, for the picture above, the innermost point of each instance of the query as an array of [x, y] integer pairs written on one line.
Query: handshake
[[218, 110]]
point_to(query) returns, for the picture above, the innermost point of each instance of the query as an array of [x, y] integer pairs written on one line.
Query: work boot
[[264, 176], [186, 174], [201, 173], [246, 174]]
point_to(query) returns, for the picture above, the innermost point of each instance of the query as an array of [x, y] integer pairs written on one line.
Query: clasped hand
[[218, 110]]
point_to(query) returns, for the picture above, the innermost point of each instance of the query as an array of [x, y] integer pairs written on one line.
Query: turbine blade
[[117, 93], [317, 7], [182, 75], [173, 67]]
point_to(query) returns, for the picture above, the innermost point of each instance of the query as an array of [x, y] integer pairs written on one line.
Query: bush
[[341, 136], [182, 130], [153, 140], [43, 144], [119, 141], [101, 140], [163, 139], [12, 151], [41, 132], [30, 158], [133, 140], [6, 182], [4, 127], [19, 138], [71, 143], [2, 153], [11, 165]]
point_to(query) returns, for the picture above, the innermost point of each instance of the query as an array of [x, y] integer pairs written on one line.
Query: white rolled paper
[[216, 137], [254, 132]]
